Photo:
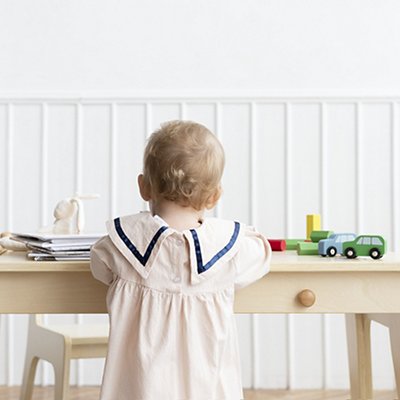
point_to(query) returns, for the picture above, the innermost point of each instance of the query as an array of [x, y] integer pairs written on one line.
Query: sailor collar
[[140, 237]]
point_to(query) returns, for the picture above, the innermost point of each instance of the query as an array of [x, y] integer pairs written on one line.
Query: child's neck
[[176, 216]]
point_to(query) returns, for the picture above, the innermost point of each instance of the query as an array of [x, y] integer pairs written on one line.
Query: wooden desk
[[364, 289]]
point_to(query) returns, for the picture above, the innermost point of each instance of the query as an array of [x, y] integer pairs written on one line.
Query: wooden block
[[291, 244], [316, 236], [277, 244], [307, 248], [313, 224]]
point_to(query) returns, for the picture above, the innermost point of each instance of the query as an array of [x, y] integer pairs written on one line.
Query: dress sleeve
[[253, 258], [100, 269]]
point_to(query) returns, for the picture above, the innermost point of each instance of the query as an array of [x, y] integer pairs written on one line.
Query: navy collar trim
[[202, 268], [141, 258]]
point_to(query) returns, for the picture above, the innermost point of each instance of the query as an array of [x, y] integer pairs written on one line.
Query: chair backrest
[[35, 320]]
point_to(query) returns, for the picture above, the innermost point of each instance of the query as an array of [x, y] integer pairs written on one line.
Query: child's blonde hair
[[184, 162]]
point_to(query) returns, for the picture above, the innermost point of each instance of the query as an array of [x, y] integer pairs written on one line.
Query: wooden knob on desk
[[306, 297]]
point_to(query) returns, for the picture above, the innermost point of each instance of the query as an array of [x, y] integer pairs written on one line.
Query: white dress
[[170, 302]]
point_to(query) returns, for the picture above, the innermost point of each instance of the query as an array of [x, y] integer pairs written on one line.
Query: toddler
[[172, 274]]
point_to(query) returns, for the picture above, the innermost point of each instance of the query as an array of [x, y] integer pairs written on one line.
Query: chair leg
[[61, 375], [358, 328], [31, 362], [395, 346]]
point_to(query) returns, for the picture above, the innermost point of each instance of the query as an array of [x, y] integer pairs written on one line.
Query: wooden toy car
[[334, 244], [365, 245]]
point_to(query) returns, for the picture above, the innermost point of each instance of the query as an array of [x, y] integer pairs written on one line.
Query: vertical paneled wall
[[285, 158]]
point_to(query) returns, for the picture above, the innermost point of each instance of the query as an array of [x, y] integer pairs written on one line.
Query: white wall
[[208, 45], [344, 150]]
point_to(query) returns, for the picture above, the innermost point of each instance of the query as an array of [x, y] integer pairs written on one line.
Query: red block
[[277, 244]]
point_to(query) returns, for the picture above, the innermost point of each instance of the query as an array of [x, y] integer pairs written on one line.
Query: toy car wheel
[[375, 254], [331, 251], [350, 253], [323, 255]]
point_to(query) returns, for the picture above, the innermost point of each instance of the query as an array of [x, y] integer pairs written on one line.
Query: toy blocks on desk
[[307, 249], [277, 244], [313, 224], [316, 236], [291, 244]]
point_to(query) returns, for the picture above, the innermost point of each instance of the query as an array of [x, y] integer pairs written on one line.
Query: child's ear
[[214, 198], [143, 188]]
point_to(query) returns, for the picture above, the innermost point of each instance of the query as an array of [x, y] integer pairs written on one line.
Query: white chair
[[58, 344]]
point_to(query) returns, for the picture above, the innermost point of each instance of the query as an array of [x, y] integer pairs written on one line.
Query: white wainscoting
[[286, 157]]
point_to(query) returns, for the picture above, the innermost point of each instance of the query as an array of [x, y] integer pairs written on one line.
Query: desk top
[[340, 285], [287, 261]]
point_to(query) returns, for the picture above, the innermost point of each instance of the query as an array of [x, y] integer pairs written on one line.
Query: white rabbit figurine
[[69, 215]]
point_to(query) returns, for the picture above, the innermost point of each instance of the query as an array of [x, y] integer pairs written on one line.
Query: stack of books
[[55, 247]]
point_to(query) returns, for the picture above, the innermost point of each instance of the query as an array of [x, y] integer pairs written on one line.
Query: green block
[[291, 244], [307, 249], [316, 236]]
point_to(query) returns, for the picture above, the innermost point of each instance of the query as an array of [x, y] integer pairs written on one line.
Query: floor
[[92, 393]]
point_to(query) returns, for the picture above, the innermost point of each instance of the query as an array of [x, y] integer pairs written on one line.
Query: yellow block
[[313, 224]]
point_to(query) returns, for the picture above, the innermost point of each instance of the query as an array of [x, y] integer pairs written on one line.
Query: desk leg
[[395, 345], [358, 328]]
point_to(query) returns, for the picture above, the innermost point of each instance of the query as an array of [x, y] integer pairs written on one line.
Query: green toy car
[[365, 245]]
